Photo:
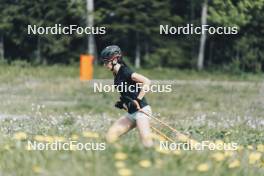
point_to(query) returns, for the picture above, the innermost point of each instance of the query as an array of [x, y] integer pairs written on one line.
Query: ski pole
[[163, 123]]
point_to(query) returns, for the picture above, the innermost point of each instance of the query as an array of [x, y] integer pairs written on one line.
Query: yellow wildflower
[[28, 147], [59, 138], [250, 147], [260, 147], [218, 156], [37, 169], [228, 153], [6, 147], [234, 164], [124, 172], [203, 167], [120, 156], [39, 138], [73, 147], [48, 139], [227, 133], [183, 138], [254, 157], [90, 134], [145, 163], [74, 137], [20, 136], [177, 152]]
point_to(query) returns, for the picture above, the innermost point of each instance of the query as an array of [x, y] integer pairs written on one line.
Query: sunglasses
[[105, 61]]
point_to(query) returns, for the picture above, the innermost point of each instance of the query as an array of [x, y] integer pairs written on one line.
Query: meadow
[[50, 103]]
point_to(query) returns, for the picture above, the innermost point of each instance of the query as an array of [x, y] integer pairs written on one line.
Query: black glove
[[132, 105], [119, 104]]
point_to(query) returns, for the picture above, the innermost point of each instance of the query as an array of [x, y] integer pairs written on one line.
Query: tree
[[90, 22], [200, 63], [45, 48], [5, 24], [134, 24], [245, 50]]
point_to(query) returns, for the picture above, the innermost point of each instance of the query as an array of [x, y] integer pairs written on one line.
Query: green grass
[[51, 101]]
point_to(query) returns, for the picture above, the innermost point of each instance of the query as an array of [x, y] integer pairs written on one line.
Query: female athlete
[[132, 87]]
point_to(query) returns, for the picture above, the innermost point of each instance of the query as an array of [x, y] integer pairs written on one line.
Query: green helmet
[[110, 52]]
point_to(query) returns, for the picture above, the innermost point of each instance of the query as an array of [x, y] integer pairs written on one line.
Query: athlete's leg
[[143, 125], [120, 127]]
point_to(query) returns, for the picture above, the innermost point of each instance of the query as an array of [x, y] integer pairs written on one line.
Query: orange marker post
[[86, 67]]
